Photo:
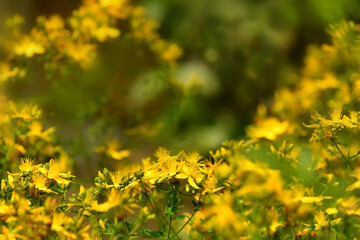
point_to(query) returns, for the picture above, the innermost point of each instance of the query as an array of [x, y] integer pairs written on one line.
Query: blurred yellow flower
[[111, 149], [268, 128], [28, 47]]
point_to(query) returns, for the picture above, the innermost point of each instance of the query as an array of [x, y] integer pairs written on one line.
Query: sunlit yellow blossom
[[269, 128], [321, 221], [81, 52], [26, 165], [7, 72], [191, 173], [116, 178], [15, 20], [356, 184], [36, 130], [55, 172], [274, 218], [55, 22], [172, 53], [59, 220], [111, 149], [331, 211], [28, 47], [349, 205], [25, 112], [105, 32], [114, 199], [40, 183], [117, 8]]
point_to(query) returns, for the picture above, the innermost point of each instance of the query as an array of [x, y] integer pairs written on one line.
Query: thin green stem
[[171, 217], [64, 196], [326, 188], [154, 206], [195, 210], [81, 212], [134, 229], [325, 234], [327, 149], [189, 195], [124, 227], [345, 158], [348, 154]]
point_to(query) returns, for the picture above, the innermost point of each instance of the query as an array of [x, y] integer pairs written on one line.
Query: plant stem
[[345, 158], [168, 236], [195, 210], [156, 208], [326, 237], [81, 212], [134, 229], [153, 205], [328, 150], [124, 227]]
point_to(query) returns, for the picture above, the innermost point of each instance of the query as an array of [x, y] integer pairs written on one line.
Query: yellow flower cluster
[[308, 199], [60, 42], [257, 201], [32, 200], [274, 185], [329, 80], [23, 135]]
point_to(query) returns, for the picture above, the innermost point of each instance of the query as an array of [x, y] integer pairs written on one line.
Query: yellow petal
[[192, 183]]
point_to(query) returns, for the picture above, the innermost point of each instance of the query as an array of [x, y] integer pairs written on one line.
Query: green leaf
[[129, 226], [170, 210], [150, 233], [342, 144], [180, 217], [172, 206]]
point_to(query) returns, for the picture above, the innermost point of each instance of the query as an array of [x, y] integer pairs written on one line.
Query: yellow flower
[[40, 183], [6, 71], [223, 215], [116, 178], [321, 221], [36, 130], [26, 165], [331, 211], [7, 234], [163, 156], [15, 21], [335, 115], [59, 220], [117, 8], [111, 149], [55, 172], [356, 184], [274, 218], [209, 186], [25, 112], [102, 224], [104, 32], [269, 128], [28, 47], [82, 53], [171, 53], [143, 28], [190, 170], [55, 22], [114, 199]]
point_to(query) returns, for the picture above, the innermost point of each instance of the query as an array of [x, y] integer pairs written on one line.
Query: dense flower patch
[[295, 176]]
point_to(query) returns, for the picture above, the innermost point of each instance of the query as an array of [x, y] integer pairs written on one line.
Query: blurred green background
[[235, 54]]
